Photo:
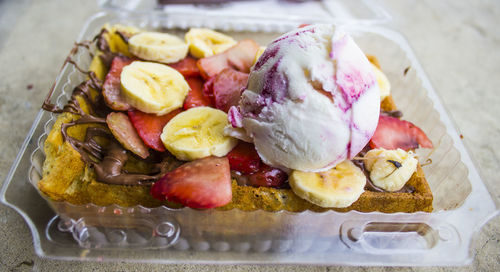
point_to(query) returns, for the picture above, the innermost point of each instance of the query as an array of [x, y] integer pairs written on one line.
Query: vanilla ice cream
[[311, 102]]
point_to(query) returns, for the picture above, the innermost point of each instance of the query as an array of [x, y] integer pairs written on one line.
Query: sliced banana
[[258, 54], [115, 40], [204, 42], [390, 169], [156, 46], [153, 87], [383, 82], [197, 133], [338, 187]]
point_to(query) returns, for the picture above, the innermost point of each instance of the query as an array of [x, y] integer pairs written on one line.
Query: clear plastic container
[[462, 202]]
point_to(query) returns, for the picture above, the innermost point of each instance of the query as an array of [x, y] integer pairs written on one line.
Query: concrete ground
[[456, 42]]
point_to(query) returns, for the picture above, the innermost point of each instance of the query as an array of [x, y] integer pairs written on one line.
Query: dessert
[[138, 132]]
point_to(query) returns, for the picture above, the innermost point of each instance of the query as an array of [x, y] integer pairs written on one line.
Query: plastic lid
[[259, 12]]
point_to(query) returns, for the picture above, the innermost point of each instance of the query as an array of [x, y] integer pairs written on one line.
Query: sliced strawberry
[[228, 86], [195, 97], [208, 89], [111, 89], [244, 158], [267, 176], [239, 57], [150, 126], [201, 184], [187, 67], [303, 25], [393, 133]]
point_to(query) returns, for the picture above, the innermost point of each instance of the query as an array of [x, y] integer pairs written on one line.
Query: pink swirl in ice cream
[[311, 101]]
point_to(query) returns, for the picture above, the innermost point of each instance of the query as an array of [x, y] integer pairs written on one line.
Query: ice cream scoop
[[311, 101]]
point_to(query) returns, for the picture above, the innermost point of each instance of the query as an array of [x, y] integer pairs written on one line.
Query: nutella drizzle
[[394, 113], [108, 161], [101, 42], [123, 36]]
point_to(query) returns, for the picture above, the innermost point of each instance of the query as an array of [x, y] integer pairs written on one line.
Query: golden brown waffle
[[67, 178]]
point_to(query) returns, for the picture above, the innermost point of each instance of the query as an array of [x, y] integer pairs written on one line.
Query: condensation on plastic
[[88, 232]]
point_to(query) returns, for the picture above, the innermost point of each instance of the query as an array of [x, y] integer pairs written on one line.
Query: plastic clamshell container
[[462, 203]]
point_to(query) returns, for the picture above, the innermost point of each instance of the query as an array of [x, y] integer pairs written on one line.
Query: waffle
[[67, 178]]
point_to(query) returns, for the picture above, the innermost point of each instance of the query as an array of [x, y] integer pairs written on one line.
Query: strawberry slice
[[195, 97], [208, 89], [239, 57], [393, 133], [187, 67], [244, 158], [228, 86], [268, 176], [111, 89], [200, 184], [150, 126]]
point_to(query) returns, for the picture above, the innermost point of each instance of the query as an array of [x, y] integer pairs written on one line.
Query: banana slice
[[156, 46], [338, 187], [197, 133], [153, 87], [258, 54], [205, 42], [390, 169], [115, 38], [383, 82]]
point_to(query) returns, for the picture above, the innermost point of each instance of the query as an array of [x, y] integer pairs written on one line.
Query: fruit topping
[[121, 127], [115, 39], [187, 67], [258, 54], [197, 133], [153, 87], [244, 158], [227, 88], [208, 89], [338, 187], [390, 169], [195, 97], [201, 184], [239, 57], [267, 176], [149, 127], [156, 46], [382, 81], [393, 133], [111, 89], [205, 42]]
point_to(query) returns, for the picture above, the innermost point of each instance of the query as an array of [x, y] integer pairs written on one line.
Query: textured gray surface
[[455, 41]]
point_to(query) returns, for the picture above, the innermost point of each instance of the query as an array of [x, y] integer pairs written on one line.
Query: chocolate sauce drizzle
[[108, 161], [394, 113]]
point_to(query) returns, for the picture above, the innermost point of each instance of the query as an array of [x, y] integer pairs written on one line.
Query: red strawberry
[[150, 126], [201, 184], [267, 176], [244, 158], [111, 89], [239, 57], [393, 133], [195, 97], [187, 67], [208, 89], [227, 88]]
